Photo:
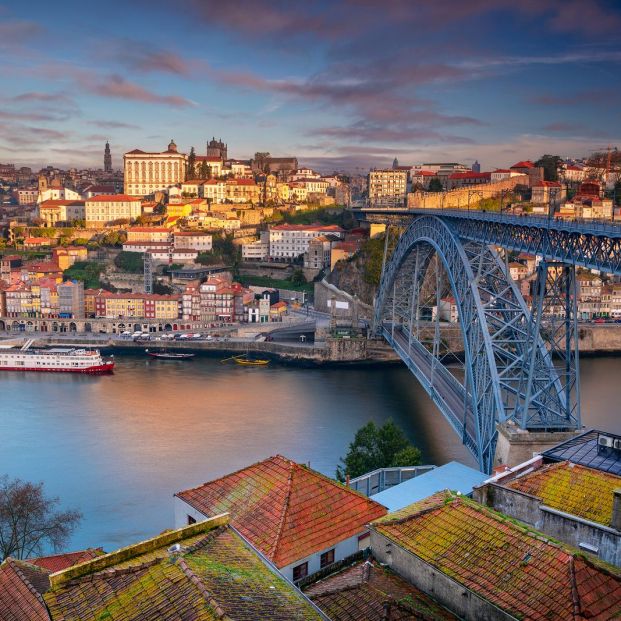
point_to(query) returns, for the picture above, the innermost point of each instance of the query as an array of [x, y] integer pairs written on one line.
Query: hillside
[[360, 274]]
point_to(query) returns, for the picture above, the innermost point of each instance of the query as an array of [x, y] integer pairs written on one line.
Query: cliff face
[[360, 275]]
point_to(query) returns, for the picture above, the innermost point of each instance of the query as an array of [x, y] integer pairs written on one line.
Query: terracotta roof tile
[[365, 590], [214, 575], [21, 586], [58, 562], [514, 568], [286, 510], [575, 489]]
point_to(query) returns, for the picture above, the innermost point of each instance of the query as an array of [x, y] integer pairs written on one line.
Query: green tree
[[190, 172], [617, 193], [132, 262], [550, 165], [87, 271], [298, 278], [377, 447], [435, 185], [205, 170]]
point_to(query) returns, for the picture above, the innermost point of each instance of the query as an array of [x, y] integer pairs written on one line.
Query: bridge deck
[[445, 390]]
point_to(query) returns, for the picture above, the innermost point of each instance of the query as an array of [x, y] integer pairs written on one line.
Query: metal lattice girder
[[496, 328], [555, 319], [590, 244]]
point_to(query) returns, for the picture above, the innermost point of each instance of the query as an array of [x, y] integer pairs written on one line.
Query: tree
[[190, 172], [435, 185], [617, 193], [132, 262], [298, 278], [550, 165], [30, 521], [205, 170], [377, 447]]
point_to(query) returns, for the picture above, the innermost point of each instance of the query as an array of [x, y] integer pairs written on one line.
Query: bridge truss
[[519, 364]]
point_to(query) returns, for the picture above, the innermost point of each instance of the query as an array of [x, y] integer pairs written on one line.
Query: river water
[[118, 447]]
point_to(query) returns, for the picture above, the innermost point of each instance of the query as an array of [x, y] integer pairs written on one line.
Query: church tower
[[107, 158]]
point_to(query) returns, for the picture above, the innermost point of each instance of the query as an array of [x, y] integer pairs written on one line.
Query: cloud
[[113, 125], [30, 116], [116, 87], [591, 97], [28, 135], [137, 56], [34, 96], [15, 32]]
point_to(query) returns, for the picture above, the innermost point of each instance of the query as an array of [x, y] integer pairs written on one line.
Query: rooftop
[[201, 572], [513, 567], [286, 510], [23, 583], [108, 198], [452, 475], [573, 489], [327, 228], [363, 591], [21, 588], [587, 450]]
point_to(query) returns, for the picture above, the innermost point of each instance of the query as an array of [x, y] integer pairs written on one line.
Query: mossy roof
[[363, 590], [572, 488], [215, 575], [286, 510], [517, 569]]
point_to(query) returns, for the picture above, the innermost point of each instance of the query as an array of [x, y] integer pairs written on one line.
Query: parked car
[[599, 320]]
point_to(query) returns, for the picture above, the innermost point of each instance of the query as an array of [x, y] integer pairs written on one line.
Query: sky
[[341, 84]]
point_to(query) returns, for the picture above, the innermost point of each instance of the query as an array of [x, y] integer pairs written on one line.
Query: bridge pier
[[516, 445]]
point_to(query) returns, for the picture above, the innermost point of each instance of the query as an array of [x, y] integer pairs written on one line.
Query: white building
[[301, 531], [288, 241], [256, 250], [193, 240], [148, 172]]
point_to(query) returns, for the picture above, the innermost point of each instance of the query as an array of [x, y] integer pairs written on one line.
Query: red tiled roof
[[547, 184], [148, 229], [101, 198], [58, 562], [470, 175], [328, 228], [21, 589], [208, 158], [363, 590], [524, 164], [521, 572], [286, 510], [59, 202]]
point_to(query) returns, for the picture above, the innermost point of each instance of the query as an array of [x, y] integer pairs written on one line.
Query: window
[[191, 520], [300, 571], [327, 558]]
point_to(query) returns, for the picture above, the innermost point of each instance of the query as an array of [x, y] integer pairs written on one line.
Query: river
[[118, 447]]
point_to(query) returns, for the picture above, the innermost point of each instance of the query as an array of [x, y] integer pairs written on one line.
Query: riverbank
[[332, 351]]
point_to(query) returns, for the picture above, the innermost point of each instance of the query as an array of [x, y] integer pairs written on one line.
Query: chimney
[[615, 522]]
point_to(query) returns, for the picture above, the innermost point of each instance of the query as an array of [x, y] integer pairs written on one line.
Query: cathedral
[[216, 148]]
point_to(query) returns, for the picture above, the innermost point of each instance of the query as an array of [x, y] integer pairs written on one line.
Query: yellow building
[[283, 191], [67, 256], [106, 208]]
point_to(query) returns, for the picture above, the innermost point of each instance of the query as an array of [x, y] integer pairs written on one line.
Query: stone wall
[[446, 591], [324, 292], [458, 199], [571, 529]]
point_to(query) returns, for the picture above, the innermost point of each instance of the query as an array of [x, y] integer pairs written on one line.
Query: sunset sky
[[341, 84]]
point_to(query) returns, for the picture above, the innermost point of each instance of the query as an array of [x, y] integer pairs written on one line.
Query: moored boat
[[170, 355], [245, 361], [55, 360]]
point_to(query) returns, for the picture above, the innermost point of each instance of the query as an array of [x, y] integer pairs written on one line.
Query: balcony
[[384, 478]]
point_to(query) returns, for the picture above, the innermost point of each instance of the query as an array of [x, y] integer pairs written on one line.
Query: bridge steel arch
[[499, 344]]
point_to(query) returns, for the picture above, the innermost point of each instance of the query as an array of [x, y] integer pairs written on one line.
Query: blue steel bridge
[[520, 361]]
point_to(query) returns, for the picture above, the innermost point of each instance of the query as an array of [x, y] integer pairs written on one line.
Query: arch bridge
[[520, 361]]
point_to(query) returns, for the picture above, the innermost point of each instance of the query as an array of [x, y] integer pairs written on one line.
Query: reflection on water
[[118, 447]]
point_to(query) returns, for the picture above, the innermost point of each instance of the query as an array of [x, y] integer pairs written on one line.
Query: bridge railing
[[581, 225], [383, 478]]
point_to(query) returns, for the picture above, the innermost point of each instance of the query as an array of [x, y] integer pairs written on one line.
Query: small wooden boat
[[245, 361], [169, 355]]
